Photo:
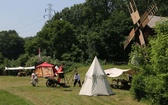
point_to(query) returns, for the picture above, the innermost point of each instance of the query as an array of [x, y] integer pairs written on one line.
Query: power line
[[20, 23], [49, 11], [31, 31], [28, 24]]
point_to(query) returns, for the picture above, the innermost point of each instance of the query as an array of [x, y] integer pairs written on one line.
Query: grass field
[[19, 91]]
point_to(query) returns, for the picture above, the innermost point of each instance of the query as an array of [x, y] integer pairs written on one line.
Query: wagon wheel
[[48, 83]]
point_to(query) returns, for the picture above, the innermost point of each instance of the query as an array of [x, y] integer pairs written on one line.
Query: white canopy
[[28, 68], [115, 72], [19, 68]]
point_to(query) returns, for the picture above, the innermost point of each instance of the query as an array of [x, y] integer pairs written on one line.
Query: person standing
[[34, 78], [77, 79], [60, 71], [33, 75]]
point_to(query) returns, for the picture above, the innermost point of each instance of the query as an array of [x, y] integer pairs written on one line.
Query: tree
[[11, 44], [151, 82], [96, 27], [143, 5], [56, 38]]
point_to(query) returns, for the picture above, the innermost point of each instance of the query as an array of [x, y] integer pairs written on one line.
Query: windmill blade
[[135, 18], [152, 9], [141, 38], [129, 38], [133, 11], [145, 22]]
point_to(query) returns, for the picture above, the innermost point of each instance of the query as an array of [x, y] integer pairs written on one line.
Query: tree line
[[77, 34]]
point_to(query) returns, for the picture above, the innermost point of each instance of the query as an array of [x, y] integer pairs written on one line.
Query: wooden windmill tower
[[139, 22]]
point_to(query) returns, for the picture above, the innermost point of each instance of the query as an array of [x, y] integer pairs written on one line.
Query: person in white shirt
[[33, 75], [77, 80], [34, 78]]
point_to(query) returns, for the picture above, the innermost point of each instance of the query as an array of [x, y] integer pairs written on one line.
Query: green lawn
[[7, 98], [18, 91]]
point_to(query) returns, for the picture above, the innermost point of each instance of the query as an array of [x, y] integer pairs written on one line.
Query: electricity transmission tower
[[49, 9]]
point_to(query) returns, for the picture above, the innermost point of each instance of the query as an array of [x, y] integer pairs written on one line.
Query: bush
[[138, 87], [151, 83]]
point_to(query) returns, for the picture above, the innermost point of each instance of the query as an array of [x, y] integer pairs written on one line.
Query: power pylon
[[49, 9]]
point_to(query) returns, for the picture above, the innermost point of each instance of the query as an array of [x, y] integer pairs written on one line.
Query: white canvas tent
[[95, 82]]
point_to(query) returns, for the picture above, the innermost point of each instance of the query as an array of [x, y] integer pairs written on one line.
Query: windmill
[[139, 22]]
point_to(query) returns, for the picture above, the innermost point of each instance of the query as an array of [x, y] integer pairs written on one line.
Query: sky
[[26, 17]]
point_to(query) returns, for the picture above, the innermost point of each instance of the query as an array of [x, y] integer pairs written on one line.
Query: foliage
[[11, 44], [59, 38], [151, 83], [143, 5], [138, 87]]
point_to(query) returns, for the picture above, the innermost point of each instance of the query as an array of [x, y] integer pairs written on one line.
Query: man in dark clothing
[[77, 79]]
